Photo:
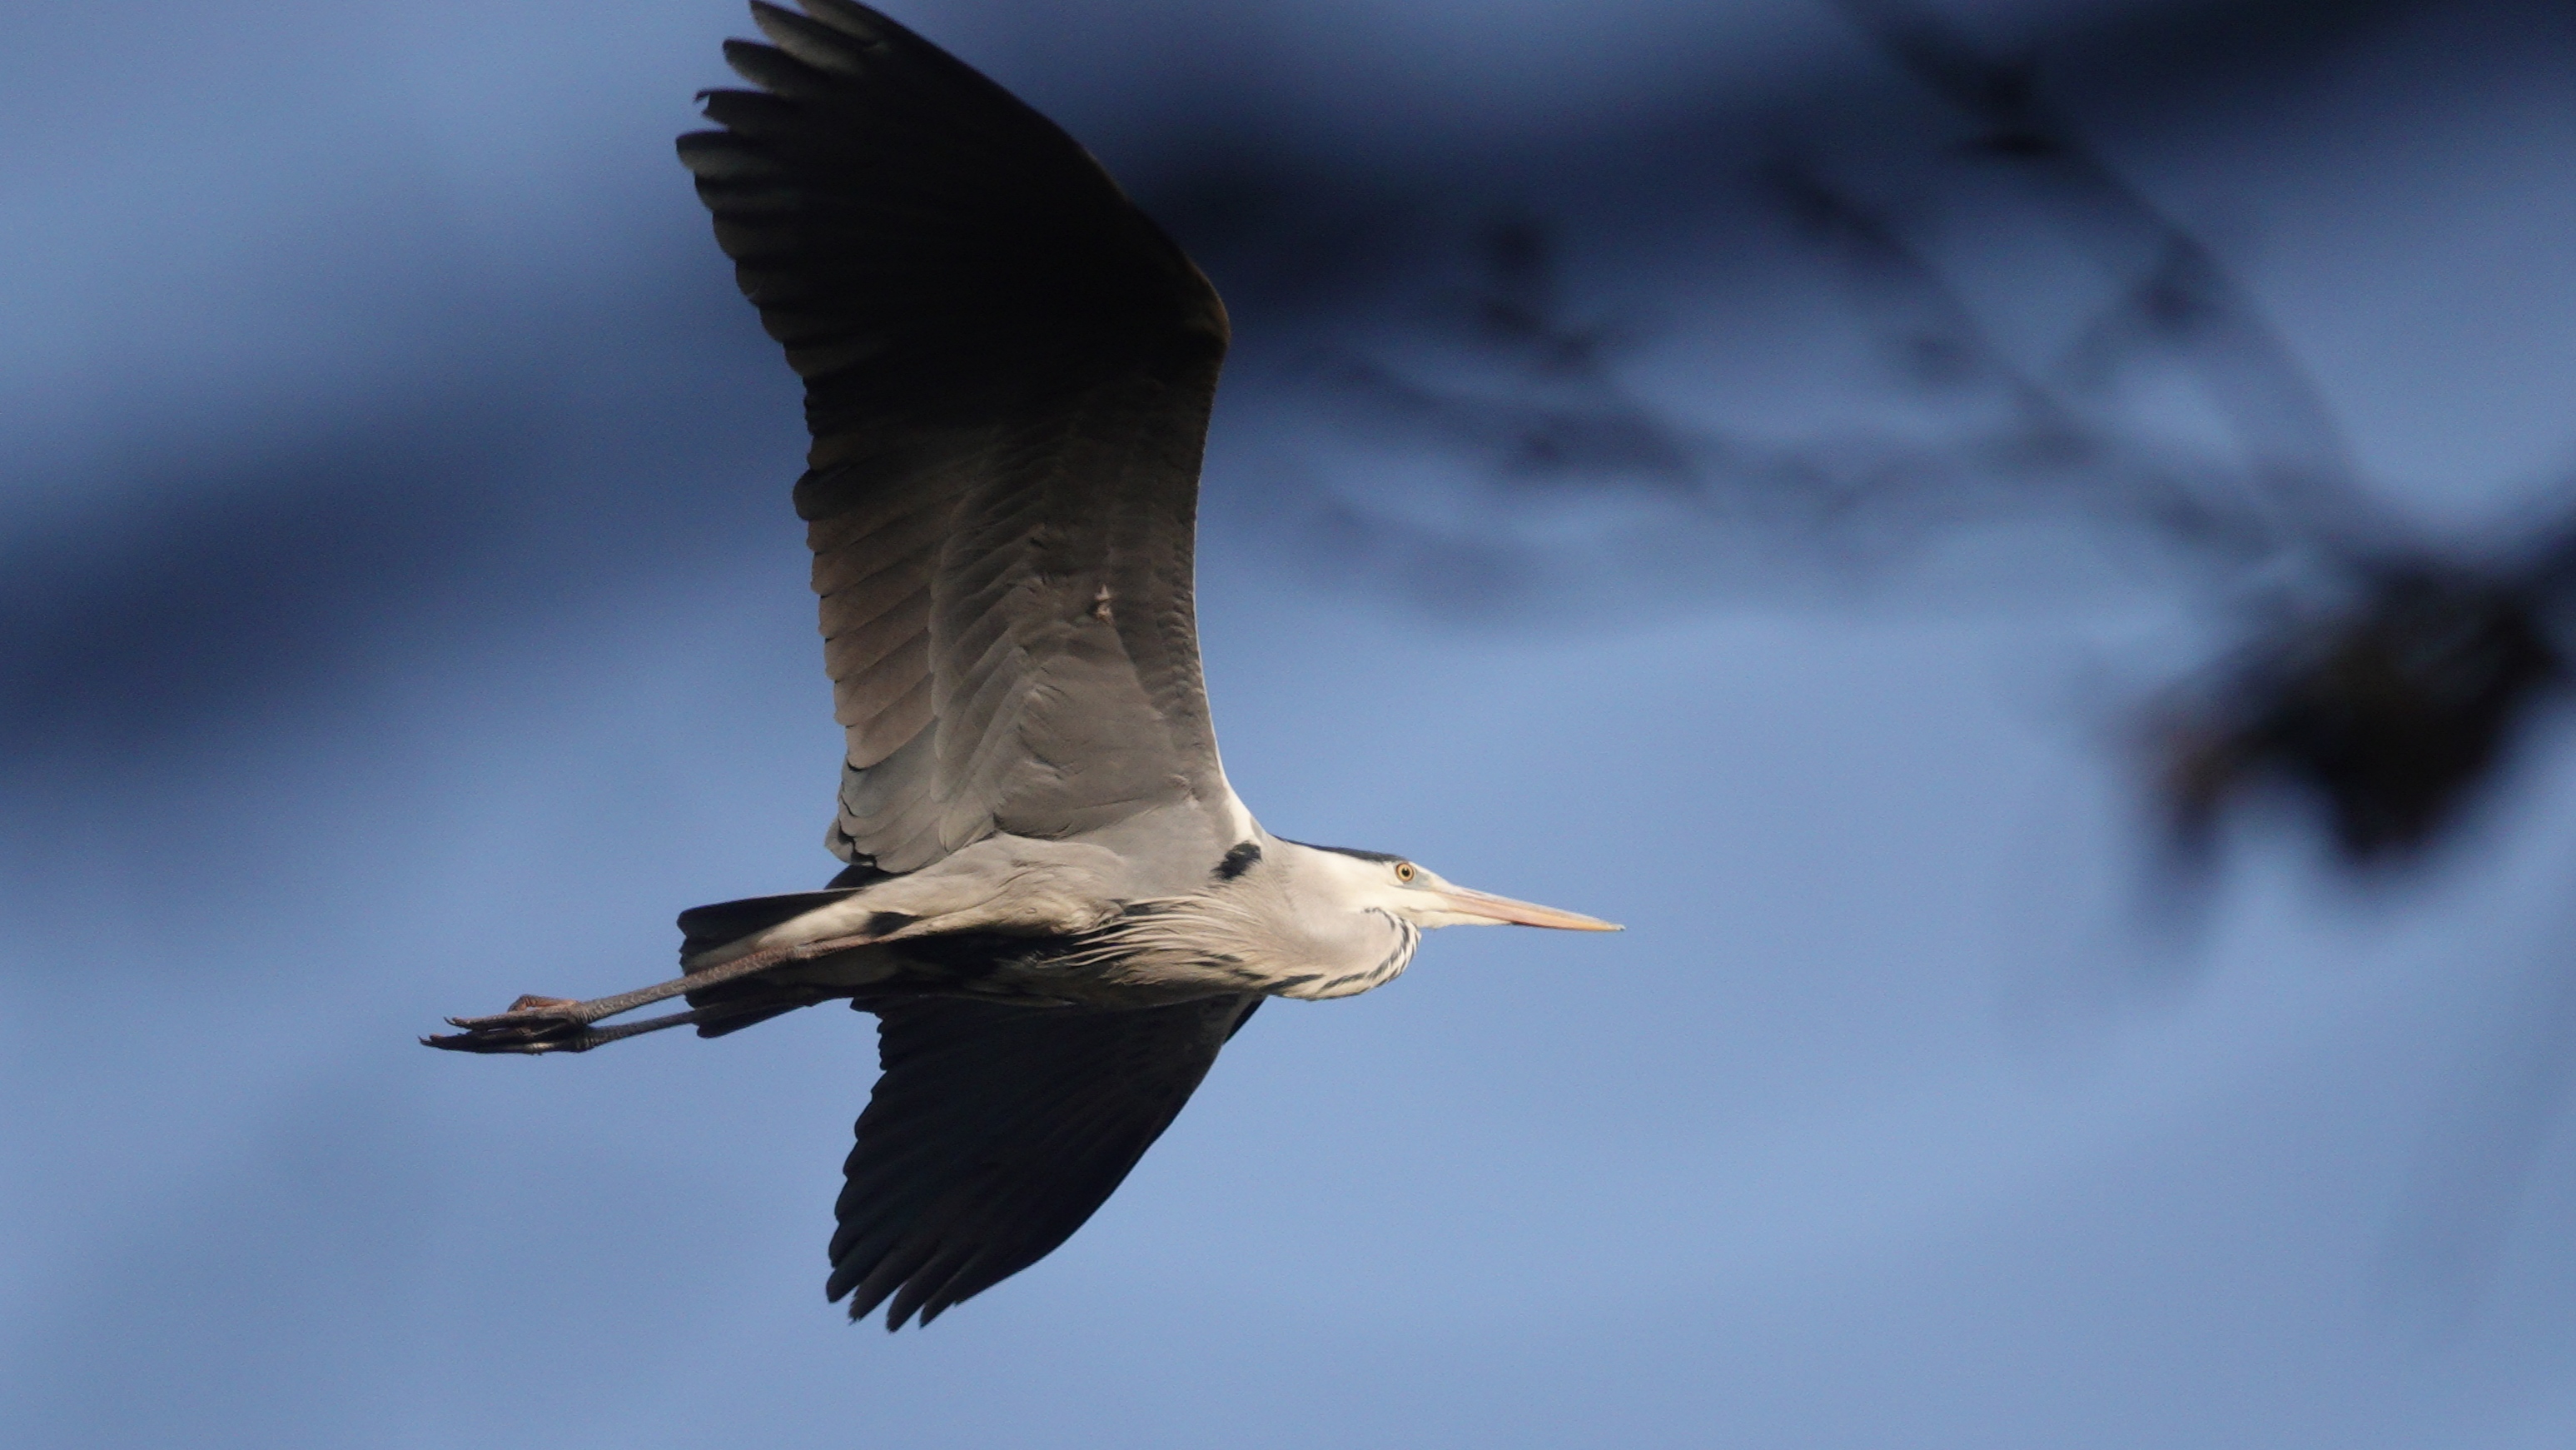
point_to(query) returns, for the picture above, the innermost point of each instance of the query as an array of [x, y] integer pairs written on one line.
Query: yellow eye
[[1404, 871]]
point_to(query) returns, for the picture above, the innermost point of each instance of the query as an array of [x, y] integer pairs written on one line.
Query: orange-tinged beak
[[1470, 902]]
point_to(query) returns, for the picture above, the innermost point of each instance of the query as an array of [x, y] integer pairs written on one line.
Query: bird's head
[[1373, 880]]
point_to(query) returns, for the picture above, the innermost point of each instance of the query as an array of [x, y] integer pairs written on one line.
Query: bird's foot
[[532, 1024], [558, 1024]]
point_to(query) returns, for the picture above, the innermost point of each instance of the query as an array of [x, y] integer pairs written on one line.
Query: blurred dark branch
[[2185, 302], [1520, 306], [1522, 439], [1940, 343], [2395, 709], [2393, 713], [2396, 705], [1540, 404], [1533, 393]]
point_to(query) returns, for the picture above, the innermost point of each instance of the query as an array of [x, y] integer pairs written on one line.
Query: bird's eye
[[1404, 871]]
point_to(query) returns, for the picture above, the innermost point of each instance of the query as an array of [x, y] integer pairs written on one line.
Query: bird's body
[[1054, 902], [1100, 927]]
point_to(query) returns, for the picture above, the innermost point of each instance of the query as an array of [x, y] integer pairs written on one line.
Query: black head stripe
[[1348, 851]]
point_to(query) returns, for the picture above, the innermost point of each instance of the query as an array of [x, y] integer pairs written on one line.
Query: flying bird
[[1054, 903]]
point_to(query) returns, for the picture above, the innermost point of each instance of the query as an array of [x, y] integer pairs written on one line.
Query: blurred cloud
[[244, 580]]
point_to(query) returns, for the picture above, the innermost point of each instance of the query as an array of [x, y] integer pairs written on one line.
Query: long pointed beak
[[1519, 913]]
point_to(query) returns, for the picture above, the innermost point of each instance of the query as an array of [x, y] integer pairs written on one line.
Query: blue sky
[[403, 612]]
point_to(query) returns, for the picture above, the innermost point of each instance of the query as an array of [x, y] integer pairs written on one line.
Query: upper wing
[[1008, 370], [997, 1130]]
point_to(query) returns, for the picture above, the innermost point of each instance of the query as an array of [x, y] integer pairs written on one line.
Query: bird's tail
[[704, 928], [747, 1001]]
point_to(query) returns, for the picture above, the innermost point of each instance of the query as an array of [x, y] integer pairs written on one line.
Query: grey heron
[[1054, 903]]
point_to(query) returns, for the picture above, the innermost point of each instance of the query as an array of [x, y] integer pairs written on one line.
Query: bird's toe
[[532, 1024]]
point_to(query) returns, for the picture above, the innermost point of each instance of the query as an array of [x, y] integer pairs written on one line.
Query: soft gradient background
[[400, 610]]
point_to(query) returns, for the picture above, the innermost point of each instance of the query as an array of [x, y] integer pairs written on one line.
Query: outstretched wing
[[1008, 370], [996, 1131]]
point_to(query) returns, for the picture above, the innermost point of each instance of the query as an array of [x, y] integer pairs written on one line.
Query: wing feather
[[1008, 372], [996, 1131]]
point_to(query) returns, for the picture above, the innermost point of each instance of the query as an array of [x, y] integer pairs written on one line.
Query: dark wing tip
[[909, 227], [851, 19], [824, 47]]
